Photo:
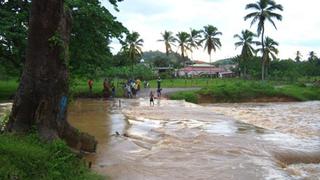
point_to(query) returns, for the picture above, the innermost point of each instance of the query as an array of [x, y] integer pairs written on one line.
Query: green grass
[[27, 157], [81, 88], [189, 96], [301, 93], [235, 90], [171, 83], [7, 89]]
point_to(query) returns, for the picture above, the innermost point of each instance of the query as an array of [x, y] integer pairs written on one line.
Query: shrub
[[30, 158]]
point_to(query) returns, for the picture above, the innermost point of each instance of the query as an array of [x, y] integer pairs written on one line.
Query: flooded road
[[179, 140]]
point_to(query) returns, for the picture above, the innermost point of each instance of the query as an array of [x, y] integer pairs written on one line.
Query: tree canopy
[[93, 27]]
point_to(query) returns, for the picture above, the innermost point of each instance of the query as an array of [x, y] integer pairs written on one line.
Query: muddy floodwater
[[180, 140]]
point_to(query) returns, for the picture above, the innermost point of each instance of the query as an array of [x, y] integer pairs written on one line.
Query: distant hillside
[[158, 57], [227, 61]]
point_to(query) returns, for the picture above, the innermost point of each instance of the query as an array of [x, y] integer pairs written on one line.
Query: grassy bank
[[29, 158], [223, 90], [244, 91], [78, 88]]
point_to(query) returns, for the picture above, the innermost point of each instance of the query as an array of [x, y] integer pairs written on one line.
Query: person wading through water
[[151, 98], [159, 87], [90, 84]]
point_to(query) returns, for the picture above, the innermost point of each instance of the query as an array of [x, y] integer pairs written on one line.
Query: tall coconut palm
[[194, 40], [168, 39], [183, 43], [312, 56], [212, 42], [263, 10], [246, 41], [298, 56], [269, 52], [132, 46]]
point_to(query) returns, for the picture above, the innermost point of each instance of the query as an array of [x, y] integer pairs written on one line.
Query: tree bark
[[42, 98]]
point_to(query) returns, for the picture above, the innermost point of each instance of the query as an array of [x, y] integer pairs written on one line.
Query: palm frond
[[253, 6]]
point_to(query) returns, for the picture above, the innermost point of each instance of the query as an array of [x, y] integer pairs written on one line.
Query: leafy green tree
[[269, 52], [41, 101], [174, 59], [212, 42], [132, 46], [183, 43], [13, 33], [93, 28], [161, 61], [263, 10], [168, 39], [194, 40], [246, 41]]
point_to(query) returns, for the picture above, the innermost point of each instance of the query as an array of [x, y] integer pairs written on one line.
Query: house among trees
[[204, 69]]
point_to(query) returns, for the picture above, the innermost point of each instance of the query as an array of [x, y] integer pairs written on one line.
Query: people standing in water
[[138, 83], [106, 88], [90, 84], [151, 98], [128, 89], [113, 90]]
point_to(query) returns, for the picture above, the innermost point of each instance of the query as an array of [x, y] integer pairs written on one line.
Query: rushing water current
[[180, 140]]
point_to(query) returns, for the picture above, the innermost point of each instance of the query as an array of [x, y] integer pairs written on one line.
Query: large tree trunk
[[42, 98]]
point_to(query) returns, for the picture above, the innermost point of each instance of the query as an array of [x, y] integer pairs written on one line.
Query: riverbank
[[212, 90], [27, 157], [248, 91]]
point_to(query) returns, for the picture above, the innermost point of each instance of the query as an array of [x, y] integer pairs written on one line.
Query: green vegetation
[[79, 87], [263, 10], [168, 39], [7, 89], [132, 48], [301, 93], [189, 96], [240, 91], [210, 39], [27, 157], [93, 27]]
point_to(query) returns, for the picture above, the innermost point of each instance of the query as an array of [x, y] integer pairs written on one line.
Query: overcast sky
[[299, 29]]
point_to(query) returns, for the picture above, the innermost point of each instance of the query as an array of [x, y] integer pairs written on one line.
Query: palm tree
[[183, 43], [263, 10], [194, 40], [246, 41], [133, 47], [298, 56], [168, 39], [210, 38], [312, 56], [269, 52]]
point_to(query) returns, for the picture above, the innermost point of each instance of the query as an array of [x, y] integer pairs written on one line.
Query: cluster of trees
[[93, 27], [285, 69], [187, 42], [264, 11]]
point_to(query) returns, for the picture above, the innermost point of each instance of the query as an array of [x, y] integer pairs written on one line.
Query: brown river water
[[180, 140]]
